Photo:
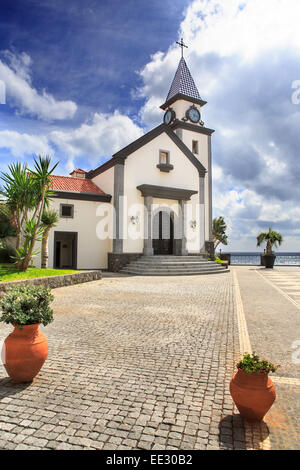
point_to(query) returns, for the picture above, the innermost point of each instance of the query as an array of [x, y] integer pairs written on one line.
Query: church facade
[[153, 197]]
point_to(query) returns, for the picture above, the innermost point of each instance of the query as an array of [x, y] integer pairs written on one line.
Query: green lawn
[[8, 273]]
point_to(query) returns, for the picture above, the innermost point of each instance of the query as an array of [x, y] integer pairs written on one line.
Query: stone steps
[[173, 262], [173, 266], [174, 258], [173, 272], [166, 265]]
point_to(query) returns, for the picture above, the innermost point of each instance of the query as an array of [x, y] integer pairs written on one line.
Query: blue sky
[[89, 51], [83, 79], [86, 53]]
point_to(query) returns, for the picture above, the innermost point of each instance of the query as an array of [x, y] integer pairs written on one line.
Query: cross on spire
[[182, 45]]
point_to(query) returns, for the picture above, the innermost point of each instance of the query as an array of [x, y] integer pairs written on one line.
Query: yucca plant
[[49, 220], [26, 193], [29, 234], [41, 181], [18, 195]]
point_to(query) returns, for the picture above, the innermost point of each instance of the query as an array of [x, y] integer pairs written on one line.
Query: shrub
[[218, 260], [27, 305], [251, 363], [7, 227], [6, 253]]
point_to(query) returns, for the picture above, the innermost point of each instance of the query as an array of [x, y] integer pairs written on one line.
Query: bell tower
[[183, 107], [183, 102]]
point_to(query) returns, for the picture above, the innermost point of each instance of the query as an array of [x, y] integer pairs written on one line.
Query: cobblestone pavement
[[134, 363], [145, 363], [273, 321]]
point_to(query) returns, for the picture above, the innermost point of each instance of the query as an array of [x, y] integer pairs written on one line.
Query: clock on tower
[[169, 116]]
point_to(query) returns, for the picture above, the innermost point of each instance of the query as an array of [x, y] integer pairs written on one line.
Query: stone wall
[[53, 282], [209, 247], [117, 261]]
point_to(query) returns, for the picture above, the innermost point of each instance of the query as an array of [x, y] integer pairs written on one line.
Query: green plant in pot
[[272, 239], [25, 349], [251, 388]]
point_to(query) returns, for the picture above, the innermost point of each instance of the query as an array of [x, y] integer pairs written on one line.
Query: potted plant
[[271, 238], [26, 348], [251, 388]]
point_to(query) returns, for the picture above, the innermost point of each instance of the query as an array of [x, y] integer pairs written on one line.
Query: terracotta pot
[[253, 394], [25, 353]]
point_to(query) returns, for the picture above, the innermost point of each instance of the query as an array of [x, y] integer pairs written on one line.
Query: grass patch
[[9, 273]]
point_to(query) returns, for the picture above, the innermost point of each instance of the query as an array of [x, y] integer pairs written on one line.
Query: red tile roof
[[80, 185]]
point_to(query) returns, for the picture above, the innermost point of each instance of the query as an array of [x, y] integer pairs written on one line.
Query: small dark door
[[163, 245], [57, 254], [65, 250]]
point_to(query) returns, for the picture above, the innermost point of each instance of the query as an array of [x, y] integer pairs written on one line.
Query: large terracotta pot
[[26, 350], [253, 394]]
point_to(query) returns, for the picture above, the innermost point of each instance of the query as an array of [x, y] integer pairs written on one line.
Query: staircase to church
[[173, 266]]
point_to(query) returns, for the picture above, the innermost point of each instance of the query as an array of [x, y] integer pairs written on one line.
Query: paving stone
[[126, 370]]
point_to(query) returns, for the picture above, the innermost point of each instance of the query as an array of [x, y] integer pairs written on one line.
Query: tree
[[271, 238], [27, 193], [219, 232], [41, 184], [18, 195], [49, 220]]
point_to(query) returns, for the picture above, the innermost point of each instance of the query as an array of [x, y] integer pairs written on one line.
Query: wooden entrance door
[[163, 233]]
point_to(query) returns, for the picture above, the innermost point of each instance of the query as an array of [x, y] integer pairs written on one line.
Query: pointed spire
[[183, 84]]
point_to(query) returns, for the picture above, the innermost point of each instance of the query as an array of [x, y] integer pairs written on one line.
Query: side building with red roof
[[75, 242]]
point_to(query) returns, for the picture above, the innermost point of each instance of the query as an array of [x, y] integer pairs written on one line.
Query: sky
[[84, 79]]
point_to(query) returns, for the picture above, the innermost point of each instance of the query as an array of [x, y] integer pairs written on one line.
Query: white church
[[149, 208]]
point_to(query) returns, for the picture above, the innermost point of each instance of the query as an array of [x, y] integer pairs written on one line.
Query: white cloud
[[247, 28], [221, 29], [105, 135], [20, 145], [244, 57], [20, 93], [156, 76]]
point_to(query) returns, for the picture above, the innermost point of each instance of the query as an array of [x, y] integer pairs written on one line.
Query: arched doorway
[[163, 233]]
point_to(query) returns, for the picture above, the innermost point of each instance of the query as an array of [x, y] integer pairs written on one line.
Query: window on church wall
[[195, 148], [164, 157], [67, 211]]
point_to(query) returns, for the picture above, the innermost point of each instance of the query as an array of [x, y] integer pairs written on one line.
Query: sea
[[282, 259]]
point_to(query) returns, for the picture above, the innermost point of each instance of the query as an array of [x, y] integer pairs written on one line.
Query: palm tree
[[26, 194], [42, 193], [271, 238], [18, 195], [219, 232], [49, 220]]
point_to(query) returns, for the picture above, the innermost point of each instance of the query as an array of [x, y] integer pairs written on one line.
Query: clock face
[[169, 116], [194, 114]]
